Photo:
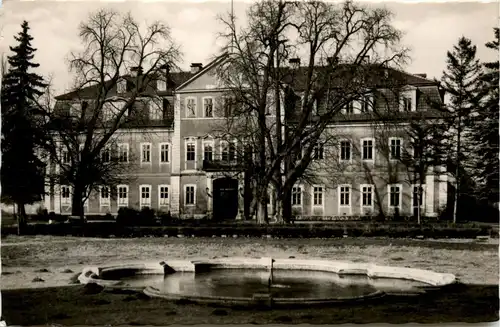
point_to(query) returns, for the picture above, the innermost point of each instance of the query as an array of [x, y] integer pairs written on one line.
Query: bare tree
[[86, 123], [345, 45]]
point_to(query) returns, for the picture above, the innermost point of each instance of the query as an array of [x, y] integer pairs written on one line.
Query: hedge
[[107, 229]]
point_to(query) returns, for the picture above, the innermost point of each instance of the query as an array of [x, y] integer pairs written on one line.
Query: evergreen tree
[[461, 81], [486, 132], [22, 175]]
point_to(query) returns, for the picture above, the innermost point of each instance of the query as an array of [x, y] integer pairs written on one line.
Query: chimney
[[294, 62], [196, 67], [332, 61], [136, 71], [423, 75]]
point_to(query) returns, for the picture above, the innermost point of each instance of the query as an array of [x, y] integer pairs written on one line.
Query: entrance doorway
[[225, 198]]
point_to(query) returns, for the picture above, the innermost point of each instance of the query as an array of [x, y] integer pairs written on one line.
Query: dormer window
[[406, 103], [155, 111], [349, 108], [408, 100], [366, 104], [74, 109], [161, 85], [121, 86]]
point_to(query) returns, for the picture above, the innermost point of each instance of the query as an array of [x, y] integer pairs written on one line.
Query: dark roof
[[374, 76], [175, 79]]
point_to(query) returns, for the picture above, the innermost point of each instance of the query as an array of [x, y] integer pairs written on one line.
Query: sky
[[430, 28]]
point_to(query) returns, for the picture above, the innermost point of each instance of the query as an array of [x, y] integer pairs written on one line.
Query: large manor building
[[172, 156]]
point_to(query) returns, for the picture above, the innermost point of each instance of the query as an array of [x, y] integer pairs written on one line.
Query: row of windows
[[208, 107], [145, 195], [364, 105], [345, 192], [228, 151], [122, 153], [367, 150], [367, 195]]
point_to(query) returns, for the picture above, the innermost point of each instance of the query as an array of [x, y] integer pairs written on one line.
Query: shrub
[[42, 214], [127, 217], [165, 218], [147, 217]]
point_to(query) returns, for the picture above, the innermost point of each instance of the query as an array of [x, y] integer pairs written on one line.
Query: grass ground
[[56, 260]]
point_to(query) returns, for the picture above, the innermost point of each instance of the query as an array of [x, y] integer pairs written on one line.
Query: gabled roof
[[209, 66]]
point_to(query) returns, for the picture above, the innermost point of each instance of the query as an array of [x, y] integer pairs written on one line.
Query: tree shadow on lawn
[[70, 306]]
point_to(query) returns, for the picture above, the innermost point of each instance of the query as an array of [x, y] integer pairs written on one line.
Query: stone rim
[[434, 280]]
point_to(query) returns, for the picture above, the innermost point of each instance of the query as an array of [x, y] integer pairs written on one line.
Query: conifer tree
[[461, 81], [486, 132], [22, 175]]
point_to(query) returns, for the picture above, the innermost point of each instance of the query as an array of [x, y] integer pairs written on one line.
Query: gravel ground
[[48, 261]]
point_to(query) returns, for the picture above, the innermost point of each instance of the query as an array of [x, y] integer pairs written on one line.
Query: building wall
[[331, 173]]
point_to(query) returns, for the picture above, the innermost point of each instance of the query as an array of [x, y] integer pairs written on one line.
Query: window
[[367, 149], [163, 199], [155, 111], [345, 196], [65, 157], [345, 150], [228, 151], [297, 196], [121, 86], [166, 108], [318, 151], [418, 196], [190, 152], [208, 152], [123, 152], [365, 104], [81, 147], [395, 148], [190, 195], [106, 155], [161, 85], [164, 152], [315, 109], [145, 195], [104, 198], [366, 195], [227, 106], [145, 152], [74, 109], [406, 103], [317, 195], [190, 107], [349, 107], [394, 196], [208, 107], [65, 195], [232, 151], [122, 195]]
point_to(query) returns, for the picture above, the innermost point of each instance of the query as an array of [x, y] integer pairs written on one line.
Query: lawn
[[54, 262]]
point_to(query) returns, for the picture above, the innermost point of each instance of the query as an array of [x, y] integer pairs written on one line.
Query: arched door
[[225, 198]]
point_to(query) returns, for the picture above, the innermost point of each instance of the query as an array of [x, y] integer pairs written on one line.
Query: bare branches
[[108, 96], [340, 44]]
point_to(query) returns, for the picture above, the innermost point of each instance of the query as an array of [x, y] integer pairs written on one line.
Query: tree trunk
[[21, 218], [457, 173], [262, 211], [287, 205], [77, 203]]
